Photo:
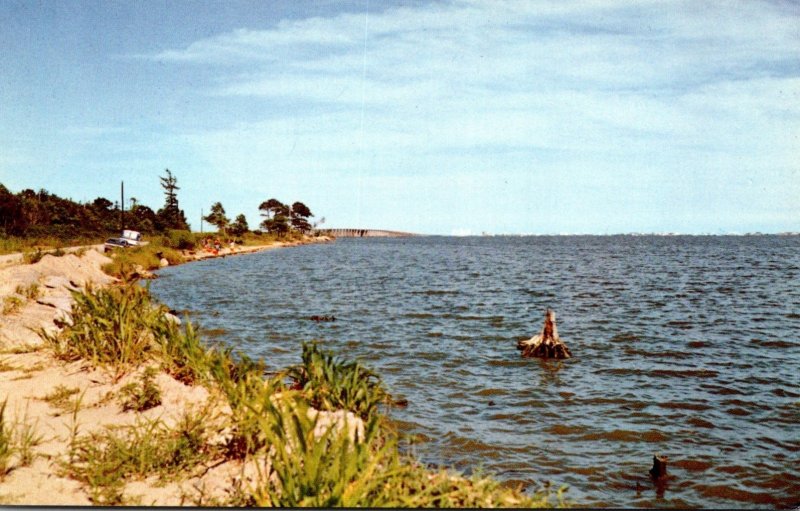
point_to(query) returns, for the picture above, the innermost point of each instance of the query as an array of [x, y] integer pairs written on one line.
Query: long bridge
[[364, 233]]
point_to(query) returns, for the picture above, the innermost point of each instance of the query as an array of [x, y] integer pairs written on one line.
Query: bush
[[178, 239]]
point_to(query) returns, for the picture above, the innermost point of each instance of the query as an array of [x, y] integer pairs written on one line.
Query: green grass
[[148, 257], [31, 292], [6, 442], [61, 397], [12, 304], [16, 244], [105, 460], [330, 383], [110, 328], [26, 438], [141, 395]]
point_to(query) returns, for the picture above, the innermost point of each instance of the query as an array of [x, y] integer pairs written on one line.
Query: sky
[[446, 117]]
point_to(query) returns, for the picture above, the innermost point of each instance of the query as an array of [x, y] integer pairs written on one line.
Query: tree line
[[42, 214]]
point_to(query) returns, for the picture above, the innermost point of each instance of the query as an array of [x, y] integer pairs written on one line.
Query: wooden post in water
[[659, 470], [547, 344]]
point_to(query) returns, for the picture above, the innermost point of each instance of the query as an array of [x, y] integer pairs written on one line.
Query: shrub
[[179, 239]]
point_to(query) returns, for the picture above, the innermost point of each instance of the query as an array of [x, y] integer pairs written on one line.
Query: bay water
[[686, 346]]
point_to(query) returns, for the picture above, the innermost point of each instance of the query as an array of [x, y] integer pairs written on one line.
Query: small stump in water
[[547, 344], [659, 470]]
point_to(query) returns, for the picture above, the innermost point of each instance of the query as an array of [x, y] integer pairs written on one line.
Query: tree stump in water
[[547, 344], [659, 470]]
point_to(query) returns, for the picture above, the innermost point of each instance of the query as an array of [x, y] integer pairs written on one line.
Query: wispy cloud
[[473, 86]]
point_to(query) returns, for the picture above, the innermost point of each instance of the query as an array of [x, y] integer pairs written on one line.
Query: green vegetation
[[280, 218], [110, 328], [12, 304], [217, 217], [104, 461], [330, 383], [61, 397], [141, 395], [6, 441], [307, 450], [127, 263], [16, 440], [31, 292]]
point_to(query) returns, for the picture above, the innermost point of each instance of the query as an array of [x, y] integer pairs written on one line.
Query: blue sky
[[450, 117]]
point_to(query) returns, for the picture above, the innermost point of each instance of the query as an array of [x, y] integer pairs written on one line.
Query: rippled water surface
[[685, 346]]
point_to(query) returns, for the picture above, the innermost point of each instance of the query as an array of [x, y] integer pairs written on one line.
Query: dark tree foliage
[[281, 218], [217, 217], [239, 226], [170, 216], [12, 221]]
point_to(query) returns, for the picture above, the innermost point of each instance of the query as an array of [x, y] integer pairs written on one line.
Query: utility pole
[[122, 205], [201, 220]]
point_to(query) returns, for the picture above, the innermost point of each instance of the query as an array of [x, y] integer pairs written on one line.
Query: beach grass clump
[[12, 304], [180, 352], [61, 397], [108, 327], [6, 441], [105, 460], [31, 292], [316, 463], [141, 395], [26, 437], [33, 257], [330, 383]]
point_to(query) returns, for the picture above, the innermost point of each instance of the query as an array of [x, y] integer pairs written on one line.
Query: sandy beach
[[31, 377]]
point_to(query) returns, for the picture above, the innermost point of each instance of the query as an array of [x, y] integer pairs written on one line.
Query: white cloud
[[646, 91]]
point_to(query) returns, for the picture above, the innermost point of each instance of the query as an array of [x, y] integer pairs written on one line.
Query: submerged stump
[[659, 470], [547, 344]]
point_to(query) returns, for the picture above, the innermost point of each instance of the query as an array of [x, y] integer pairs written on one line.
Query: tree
[[171, 216], [12, 221], [239, 226], [276, 216], [299, 217], [273, 207], [217, 217]]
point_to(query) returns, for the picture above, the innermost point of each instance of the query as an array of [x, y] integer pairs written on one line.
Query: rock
[[163, 262]]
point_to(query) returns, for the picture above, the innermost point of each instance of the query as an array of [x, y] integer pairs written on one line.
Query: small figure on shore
[[547, 344], [233, 245]]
